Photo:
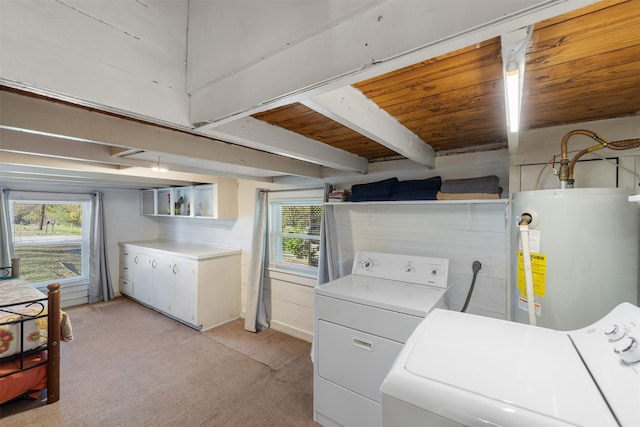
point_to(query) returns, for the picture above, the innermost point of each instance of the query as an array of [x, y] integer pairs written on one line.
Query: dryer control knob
[[614, 332], [627, 349]]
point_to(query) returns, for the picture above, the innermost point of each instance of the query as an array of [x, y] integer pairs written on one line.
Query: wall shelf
[[208, 201], [421, 202]]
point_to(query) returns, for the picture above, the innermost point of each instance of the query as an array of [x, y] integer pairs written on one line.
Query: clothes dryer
[[361, 322], [464, 370]]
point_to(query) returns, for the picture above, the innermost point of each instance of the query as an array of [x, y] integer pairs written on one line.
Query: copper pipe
[[566, 173]]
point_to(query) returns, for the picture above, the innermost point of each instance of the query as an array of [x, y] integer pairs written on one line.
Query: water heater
[[584, 255]]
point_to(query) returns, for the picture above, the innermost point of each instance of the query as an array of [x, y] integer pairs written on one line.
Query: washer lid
[[402, 297], [511, 364], [619, 380]]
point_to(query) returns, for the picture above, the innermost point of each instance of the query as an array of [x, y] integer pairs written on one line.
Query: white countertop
[[184, 249]]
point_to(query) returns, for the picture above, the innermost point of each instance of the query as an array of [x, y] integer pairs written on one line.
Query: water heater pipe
[[566, 166], [525, 220]]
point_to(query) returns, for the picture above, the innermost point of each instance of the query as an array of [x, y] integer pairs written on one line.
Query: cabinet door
[[141, 276], [184, 291], [161, 283]]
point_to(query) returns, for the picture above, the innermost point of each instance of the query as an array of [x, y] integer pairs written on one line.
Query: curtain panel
[[256, 314], [6, 238], [100, 286]]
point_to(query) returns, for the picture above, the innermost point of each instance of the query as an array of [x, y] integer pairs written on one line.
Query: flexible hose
[[565, 139], [476, 266], [528, 272], [566, 167], [623, 144]]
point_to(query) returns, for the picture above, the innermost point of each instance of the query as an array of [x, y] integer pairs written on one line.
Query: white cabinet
[[134, 268], [175, 287], [218, 200], [196, 284], [161, 282], [184, 291]]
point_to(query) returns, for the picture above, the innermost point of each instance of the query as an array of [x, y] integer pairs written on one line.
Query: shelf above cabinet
[[217, 200]]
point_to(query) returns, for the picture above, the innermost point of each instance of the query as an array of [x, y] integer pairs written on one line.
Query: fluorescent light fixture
[[513, 99]]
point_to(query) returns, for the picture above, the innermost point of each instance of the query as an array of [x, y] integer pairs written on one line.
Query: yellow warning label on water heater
[[539, 273]]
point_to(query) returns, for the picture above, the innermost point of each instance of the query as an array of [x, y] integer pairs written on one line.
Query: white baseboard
[[290, 330]]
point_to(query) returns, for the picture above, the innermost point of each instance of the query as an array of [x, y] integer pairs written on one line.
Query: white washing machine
[[464, 370], [361, 322]]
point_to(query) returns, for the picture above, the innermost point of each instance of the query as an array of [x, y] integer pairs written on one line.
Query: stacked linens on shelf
[[373, 191], [339, 196], [416, 189], [485, 187], [395, 190]]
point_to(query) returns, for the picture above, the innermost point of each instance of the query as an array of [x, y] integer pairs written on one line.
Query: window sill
[[309, 280], [63, 284]]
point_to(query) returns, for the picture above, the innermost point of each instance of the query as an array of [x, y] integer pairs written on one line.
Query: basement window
[[51, 238], [294, 235]]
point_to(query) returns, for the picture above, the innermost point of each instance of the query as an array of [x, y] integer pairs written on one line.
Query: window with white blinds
[[294, 235]]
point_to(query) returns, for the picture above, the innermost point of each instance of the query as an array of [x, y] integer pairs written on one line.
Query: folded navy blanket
[[417, 185], [430, 194], [374, 191], [484, 184]]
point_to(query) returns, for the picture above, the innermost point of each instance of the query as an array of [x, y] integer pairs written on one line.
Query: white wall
[[538, 146], [460, 232]]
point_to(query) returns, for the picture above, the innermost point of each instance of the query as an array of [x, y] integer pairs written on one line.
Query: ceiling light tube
[[513, 99]]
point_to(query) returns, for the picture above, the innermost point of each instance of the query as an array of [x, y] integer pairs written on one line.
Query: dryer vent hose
[[476, 268]]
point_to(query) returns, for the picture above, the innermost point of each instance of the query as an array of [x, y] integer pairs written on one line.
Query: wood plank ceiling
[[581, 66]]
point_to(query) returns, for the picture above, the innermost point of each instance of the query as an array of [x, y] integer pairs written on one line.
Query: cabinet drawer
[[126, 257], [126, 286], [125, 271]]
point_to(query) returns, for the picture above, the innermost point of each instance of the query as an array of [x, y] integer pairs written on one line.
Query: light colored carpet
[[131, 366]]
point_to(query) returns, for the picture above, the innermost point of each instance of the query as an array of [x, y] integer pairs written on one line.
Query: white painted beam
[[45, 150], [351, 108], [23, 167], [123, 56], [260, 135], [41, 116]]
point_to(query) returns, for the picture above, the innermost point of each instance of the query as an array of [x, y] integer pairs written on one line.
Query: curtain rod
[[4, 190]]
